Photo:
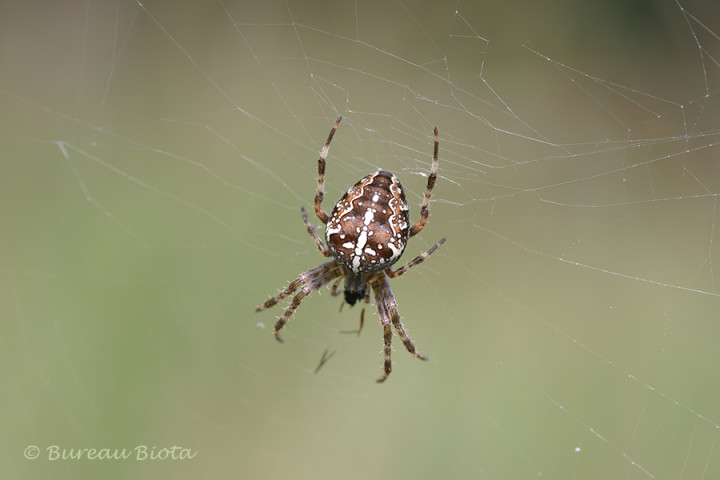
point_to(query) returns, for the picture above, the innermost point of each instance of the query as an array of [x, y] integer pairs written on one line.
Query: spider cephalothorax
[[356, 288], [366, 234]]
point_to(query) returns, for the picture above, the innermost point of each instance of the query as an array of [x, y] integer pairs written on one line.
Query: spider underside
[[366, 233]]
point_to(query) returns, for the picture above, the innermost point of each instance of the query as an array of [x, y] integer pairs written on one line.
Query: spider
[[366, 234]]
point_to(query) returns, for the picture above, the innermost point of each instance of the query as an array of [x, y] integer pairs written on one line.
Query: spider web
[[155, 159]]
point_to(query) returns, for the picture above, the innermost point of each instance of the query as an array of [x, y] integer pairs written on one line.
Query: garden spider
[[366, 234]]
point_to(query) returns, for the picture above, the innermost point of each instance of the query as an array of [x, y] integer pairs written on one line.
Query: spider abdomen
[[368, 228]]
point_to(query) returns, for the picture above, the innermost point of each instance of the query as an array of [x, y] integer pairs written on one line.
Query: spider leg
[[322, 214], [391, 308], [314, 279], [425, 208], [288, 291], [307, 282], [314, 234], [387, 339], [362, 320], [388, 312], [362, 314], [414, 261], [335, 292]]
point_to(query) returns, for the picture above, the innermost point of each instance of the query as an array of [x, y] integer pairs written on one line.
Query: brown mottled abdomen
[[368, 228]]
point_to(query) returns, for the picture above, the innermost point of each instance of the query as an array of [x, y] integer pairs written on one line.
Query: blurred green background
[[154, 158]]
